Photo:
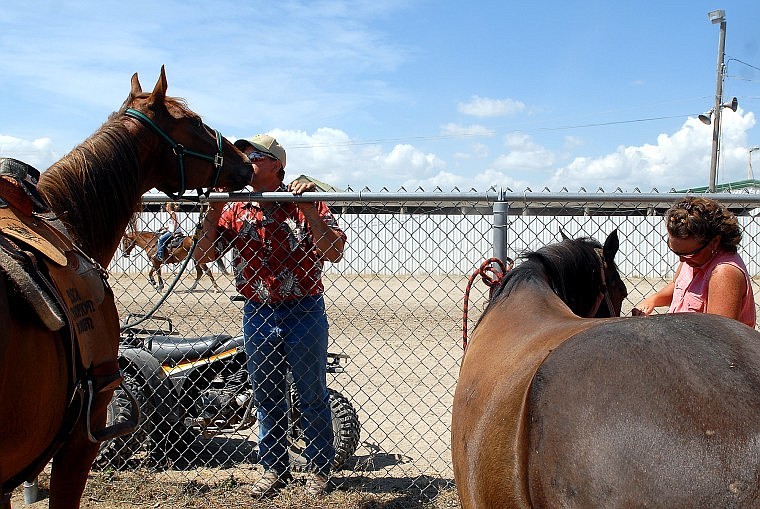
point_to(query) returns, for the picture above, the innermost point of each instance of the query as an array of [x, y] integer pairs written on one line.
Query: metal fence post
[[500, 223], [31, 492]]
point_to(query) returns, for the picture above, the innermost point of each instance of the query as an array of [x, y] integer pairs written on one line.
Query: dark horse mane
[[108, 192], [570, 268]]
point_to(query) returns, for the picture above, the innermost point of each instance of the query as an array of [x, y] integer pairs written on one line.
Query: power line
[[602, 124], [489, 132], [745, 63]]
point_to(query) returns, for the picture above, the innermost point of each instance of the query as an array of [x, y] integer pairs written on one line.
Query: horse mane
[[571, 269], [92, 182], [95, 187]]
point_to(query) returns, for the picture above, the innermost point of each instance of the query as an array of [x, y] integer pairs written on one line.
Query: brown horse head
[[580, 271], [153, 141], [196, 150], [128, 243]]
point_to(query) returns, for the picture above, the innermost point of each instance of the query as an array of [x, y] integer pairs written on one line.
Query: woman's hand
[[643, 308]]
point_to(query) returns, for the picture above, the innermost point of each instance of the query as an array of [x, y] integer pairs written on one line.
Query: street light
[[750, 176], [717, 16]]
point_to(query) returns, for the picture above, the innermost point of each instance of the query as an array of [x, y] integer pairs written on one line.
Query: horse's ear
[[136, 88], [611, 246], [158, 96], [564, 236]]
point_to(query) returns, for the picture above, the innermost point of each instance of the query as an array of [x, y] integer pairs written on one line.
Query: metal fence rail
[[395, 305]]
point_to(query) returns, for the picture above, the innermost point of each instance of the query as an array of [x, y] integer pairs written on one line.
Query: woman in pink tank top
[[711, 277]]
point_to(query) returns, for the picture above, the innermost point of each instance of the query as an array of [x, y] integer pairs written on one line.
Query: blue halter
[[180, 151]]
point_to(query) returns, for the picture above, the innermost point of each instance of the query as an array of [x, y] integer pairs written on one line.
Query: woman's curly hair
[[703, 219]]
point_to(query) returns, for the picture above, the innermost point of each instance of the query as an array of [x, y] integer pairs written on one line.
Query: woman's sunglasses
[[690, 254]]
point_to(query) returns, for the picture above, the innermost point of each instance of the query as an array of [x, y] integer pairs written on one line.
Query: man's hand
[[328, 242], [298, 188]]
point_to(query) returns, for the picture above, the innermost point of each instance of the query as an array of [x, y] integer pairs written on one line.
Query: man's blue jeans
[[290, 334]]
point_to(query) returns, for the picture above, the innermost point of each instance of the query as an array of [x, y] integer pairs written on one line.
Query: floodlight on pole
[[706, 117], [717, 16], [750, 176]]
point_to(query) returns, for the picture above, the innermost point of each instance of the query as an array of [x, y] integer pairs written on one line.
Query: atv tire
[[346, 430], [118, 453]]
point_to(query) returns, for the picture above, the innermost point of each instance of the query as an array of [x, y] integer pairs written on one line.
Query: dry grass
[[121, 490]]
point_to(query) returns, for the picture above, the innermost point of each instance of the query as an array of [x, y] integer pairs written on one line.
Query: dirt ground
[[404, 339]]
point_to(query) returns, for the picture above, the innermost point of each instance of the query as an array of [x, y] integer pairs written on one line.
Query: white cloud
[[332, 156], [480, 150], [487, 107], [38, 153], [452, 129], [474, 151], [482, 182], [677, 161], [572, 142]]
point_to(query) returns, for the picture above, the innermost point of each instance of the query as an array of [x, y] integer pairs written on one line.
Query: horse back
[[661, 411]]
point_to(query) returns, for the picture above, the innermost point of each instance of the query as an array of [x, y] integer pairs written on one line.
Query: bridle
[[605, 291], [180, 151], [127, 248]]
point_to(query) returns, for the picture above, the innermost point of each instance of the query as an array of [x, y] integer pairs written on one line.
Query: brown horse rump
[[659, 411]]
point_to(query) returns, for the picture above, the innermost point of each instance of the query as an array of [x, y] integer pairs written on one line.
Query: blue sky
[[404, 93]]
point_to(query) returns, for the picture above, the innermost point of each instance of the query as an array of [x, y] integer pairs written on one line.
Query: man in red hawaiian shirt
[[281, 247]]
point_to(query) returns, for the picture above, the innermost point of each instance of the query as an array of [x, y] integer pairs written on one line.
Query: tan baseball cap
[[264, 143]]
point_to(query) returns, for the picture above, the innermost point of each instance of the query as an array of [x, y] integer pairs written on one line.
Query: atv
[[191, 387]]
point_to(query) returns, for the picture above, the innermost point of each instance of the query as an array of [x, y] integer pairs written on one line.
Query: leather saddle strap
[[105, 376]]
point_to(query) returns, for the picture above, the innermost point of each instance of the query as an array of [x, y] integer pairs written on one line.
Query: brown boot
[[316, 484], [270, 484]]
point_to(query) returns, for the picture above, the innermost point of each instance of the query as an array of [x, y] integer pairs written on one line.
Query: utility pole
[[715, 17], [750, 175]]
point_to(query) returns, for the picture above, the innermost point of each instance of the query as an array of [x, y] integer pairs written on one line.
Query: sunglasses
[[690, 254], [259, 156]]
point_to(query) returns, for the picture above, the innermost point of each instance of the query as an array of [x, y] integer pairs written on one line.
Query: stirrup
[[117, 429]]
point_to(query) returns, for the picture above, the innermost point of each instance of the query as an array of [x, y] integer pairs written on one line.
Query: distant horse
[[148, 241], [555, 410], [51, 408]]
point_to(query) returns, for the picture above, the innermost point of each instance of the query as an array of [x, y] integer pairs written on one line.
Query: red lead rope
[[490, 277]]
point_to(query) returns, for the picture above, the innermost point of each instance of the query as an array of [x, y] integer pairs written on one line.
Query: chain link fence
[[395, 309]]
